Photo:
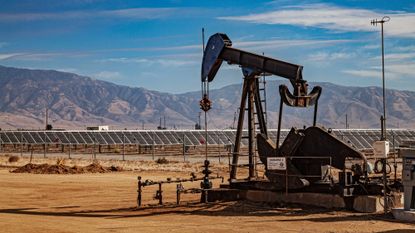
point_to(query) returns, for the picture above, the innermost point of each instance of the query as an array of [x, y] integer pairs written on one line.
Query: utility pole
[[347, 123], [160, 124], [46, 118], [234, 120], [383, 118], [381, 22]]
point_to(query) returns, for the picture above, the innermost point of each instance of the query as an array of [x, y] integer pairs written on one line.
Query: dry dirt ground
[[106, 202]]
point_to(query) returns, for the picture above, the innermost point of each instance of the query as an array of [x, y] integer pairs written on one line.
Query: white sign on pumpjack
[[381, 149], [276, 163]]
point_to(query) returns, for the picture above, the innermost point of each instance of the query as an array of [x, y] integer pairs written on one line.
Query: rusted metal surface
[[305, 150], [299, 101], [311, 149], [179, 188], [251, 101], [267, 148], [219, 49], [238, 136]]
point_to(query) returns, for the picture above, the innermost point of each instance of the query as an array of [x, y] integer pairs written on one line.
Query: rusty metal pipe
[[139, 191], [279, 125]]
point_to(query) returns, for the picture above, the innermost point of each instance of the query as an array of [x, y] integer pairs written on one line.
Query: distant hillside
[[363, 106], [76, 101]]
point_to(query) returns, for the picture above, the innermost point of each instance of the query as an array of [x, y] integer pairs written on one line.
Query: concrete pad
[[374, 204], [404, 215], [368, 204], [315, 199], [364, 204], [223, 194]]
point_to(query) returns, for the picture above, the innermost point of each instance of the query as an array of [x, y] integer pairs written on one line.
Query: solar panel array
[[358, 138]]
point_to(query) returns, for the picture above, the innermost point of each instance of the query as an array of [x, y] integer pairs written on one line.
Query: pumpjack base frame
[[246, 191], [374, 188], [266, 185]]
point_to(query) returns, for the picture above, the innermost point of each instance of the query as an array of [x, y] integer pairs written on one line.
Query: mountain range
[[74, 102]]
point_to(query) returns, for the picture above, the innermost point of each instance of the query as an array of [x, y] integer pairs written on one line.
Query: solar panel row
[[114, 137], [360, 139]]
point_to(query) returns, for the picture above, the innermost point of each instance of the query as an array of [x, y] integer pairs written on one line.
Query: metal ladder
[[262, 89], [263, 96], [255, 99]]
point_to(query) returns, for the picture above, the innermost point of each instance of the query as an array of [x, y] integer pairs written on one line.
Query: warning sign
[[276, 163]]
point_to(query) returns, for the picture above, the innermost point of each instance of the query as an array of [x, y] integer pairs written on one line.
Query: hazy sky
[[157, 44]]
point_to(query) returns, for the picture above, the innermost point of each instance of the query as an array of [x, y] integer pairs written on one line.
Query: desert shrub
[[13, 159], [162, 161], [115, 168], [95, 162], [60, 161]]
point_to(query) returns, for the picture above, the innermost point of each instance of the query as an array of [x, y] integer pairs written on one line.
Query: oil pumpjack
[[305, 151]]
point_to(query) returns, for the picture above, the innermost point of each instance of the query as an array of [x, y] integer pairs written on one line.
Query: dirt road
[[107, 203]]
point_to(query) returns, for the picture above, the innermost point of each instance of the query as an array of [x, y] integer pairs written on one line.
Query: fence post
[[218, 148], [44, 147], [123, 147], [21, 145], [152, 148], [184, 148], [138, 147], [69, 155], [94, 155], [31, 154]]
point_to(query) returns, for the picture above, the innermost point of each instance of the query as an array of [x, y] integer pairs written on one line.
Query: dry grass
[[60, 161], [133, 166]]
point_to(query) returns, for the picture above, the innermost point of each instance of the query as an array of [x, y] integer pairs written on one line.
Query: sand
[[106, 202]]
